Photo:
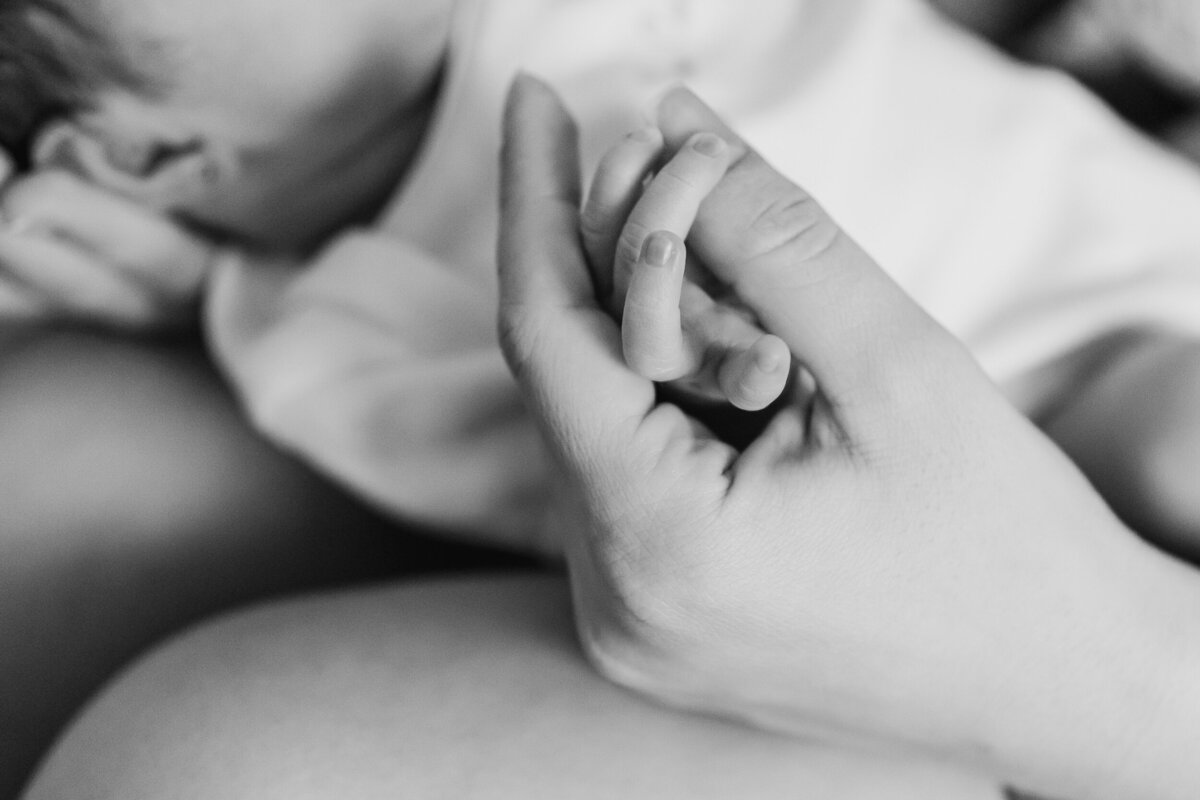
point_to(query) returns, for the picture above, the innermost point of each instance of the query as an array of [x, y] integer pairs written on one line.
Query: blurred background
[[1141, 56]]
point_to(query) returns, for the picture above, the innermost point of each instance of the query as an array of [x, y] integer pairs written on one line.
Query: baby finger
[[670, 202], [651, 333], [614, 192], [755, 377]]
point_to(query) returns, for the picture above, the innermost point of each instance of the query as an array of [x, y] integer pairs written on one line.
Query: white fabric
[[1005, 200]]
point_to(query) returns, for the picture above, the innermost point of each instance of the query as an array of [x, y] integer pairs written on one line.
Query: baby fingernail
[[708, 144], [658, 250], [768, 362]]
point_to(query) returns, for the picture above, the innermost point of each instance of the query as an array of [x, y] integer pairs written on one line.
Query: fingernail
[[708, 144], [768, 362], [658, 250], [647, 135]]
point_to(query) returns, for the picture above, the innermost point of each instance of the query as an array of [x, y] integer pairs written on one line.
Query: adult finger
[[540, 261], [562, 347], [669, 202], [807, 280]]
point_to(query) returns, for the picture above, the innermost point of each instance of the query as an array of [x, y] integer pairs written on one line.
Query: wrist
[[1158, 758], [1116, 703]]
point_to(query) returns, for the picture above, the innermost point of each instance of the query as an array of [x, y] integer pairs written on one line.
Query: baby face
[[314, 107]]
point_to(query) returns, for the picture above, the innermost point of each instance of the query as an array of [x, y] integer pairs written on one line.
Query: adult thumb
[[809, 282]]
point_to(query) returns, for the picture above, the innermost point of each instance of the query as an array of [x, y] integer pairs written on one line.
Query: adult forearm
[[1111, 709]]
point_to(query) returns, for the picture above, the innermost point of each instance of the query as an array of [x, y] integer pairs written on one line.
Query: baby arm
[[677, 323], [1134, 428]]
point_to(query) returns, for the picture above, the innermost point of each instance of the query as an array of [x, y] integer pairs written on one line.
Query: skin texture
[[351, 695], [774, 584], [121, 519], [468, 689], [135, 501], [673, 329], [203, 206], [292, 141]]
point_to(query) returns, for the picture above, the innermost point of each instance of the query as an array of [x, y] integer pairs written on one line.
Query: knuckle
[[629, 243], [511, 339], [791, 222], [680, 177], [653, 354], [655, 366], [519, 333]]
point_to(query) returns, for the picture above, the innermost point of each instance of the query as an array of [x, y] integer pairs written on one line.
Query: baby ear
[[159, 170]]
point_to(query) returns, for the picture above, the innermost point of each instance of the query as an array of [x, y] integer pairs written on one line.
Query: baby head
[[274, 121]]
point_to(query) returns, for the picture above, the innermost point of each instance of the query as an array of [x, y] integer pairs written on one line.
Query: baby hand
[[70, 250], [678, 323]]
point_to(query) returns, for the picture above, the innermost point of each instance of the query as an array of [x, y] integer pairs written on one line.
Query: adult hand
[[672, 328], [900, 557], [71, 250]]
